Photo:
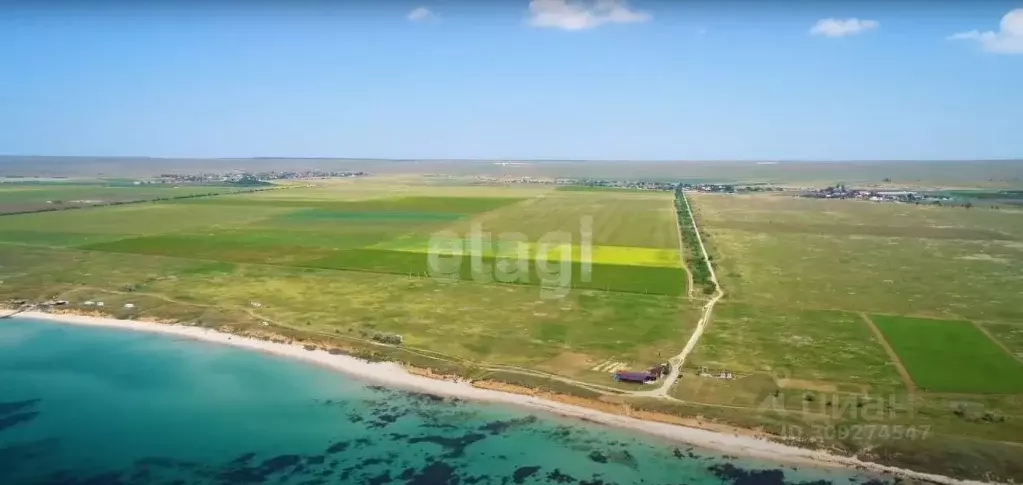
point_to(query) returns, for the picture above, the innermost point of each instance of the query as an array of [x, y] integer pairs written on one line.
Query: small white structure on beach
[[90, 303], [129, 305], [99, 303]]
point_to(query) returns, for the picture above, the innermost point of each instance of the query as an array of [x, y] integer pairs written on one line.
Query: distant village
[[631, 184], [242, 177], [840, 191]]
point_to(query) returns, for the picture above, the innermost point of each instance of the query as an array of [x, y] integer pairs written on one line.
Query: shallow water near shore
[[105, 406]]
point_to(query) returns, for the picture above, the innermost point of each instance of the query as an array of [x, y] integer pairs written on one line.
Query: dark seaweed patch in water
[[16, 419], [8, 407], [497, 427], [435, 425], [455, 446], [557, 476], [738, 476], [383, 420], [280, 462], [368, 462], [523, 472], [242, 459], [436, 473], [380, 479], [240, 474], [594, 481], [315, 459], [338, 447], [425, 397], [624, 458], [688, 453], [561, 434], [597, 456]]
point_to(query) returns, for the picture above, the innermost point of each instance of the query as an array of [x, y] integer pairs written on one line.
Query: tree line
[[698, 266]]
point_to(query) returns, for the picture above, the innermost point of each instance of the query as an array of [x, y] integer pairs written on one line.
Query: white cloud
[[419, 14], [1008, 39], [842, 27], [580, 14]]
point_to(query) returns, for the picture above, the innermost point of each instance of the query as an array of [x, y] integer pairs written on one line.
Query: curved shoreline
[[393, 374]]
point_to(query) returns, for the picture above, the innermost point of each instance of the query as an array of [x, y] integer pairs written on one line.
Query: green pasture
[[507, 324], [951, 356], [28, 197], [925, 277], [862, 256], [820, 347], [853, 230], [384, 235], [241, 247], [856, 217], [348, 259], [612, 219], [76, 227], [409, 205]]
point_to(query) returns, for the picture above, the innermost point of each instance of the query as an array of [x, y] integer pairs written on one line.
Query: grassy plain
[[335, 260], [1009, 334], [342, 259], [951, 356], [801, 277], [812, 349], [886, 258], [24, 197]]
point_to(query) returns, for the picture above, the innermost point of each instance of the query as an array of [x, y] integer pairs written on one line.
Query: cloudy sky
[[595, 79]]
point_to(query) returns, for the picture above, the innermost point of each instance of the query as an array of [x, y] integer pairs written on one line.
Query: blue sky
[[510, 79]]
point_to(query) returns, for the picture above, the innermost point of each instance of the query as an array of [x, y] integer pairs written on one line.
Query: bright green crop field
[[952, 356]]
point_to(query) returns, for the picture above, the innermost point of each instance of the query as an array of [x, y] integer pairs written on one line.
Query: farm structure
[[655, 372], [634, 376]]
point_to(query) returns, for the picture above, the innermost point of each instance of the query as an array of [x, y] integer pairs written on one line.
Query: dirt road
[[708, 309]]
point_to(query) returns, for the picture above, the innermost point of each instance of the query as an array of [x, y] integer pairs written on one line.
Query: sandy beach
[[394, 375]]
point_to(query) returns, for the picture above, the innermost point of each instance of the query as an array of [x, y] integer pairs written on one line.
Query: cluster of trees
[[699, 267], [382, 337]]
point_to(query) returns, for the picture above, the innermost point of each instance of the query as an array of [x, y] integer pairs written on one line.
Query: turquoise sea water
[[103, 406]]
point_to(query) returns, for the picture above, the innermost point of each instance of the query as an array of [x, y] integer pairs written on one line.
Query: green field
[[801, 277], [951, 356], [949, 263], [30, 197], [815, 348], [346, 259]]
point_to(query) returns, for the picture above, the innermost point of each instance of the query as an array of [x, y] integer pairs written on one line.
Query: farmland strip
[[903, 373]]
